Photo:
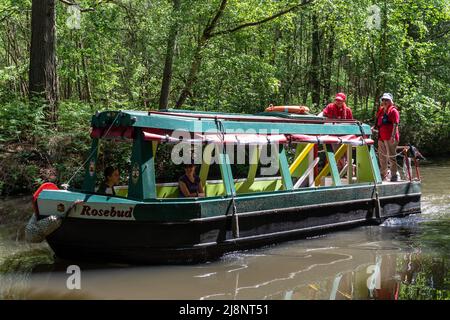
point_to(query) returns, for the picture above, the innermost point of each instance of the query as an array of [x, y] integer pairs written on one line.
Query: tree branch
[[207, 33], [70, 3], [255, 23]]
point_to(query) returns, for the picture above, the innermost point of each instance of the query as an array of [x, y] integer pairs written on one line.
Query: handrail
[[251, 118]]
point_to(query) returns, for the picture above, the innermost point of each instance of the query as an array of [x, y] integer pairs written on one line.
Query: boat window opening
[[113, 153], [304, 162], [246, 168], [267, 170], [249, 177], [310, 164], [168, 173], [349, 165]]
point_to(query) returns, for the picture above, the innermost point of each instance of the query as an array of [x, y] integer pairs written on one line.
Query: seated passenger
[[112, 177], [190, 184]]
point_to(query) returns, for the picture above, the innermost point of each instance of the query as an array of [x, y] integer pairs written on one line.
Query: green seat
[[167, 191], [213, 188]]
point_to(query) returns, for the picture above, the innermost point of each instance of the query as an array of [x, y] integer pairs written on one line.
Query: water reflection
[[402, 259], [368, 263]]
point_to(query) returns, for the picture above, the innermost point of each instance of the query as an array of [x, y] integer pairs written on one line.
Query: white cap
[[387, 96]]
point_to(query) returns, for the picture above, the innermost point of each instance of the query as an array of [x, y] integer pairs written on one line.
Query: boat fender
[[37, 230]]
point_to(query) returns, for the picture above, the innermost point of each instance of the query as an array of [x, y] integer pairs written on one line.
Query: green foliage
[[424, 277], [21, 121], [425, 123], [32, 151], [115, 60]]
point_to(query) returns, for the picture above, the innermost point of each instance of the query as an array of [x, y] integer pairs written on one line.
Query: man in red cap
[[338, 109]]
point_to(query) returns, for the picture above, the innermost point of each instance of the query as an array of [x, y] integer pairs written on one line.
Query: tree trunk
[[197, 59], [193, 71], [79, 89], [381, 78], [329, 66], [315, 63], [209, 32], [171, 41], [87, 87], [42, 73]]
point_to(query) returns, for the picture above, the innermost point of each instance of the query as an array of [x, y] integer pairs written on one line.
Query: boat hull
[[206, 238]]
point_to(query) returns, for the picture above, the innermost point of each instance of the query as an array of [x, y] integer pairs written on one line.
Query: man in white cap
[[387, 122]]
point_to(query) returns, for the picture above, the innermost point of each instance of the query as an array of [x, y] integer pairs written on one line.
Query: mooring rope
[[234, 216], [67, 184], [375, 188]]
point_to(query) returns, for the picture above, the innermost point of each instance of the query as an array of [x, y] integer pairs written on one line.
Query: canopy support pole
[[284, 169], [334, 157], [350, 164], [225, 170], [142, 182], [206, 162], [303, 154], [367, 168], [333, 164], [255, 153], [374, 164], [307, 173]]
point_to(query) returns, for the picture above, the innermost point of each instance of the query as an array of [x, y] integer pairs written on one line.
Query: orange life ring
[[289, 109]]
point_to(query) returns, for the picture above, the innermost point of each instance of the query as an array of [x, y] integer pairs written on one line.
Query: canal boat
[[327, 177]]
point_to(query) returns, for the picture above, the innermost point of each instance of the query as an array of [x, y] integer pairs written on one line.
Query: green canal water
[[405, 258]]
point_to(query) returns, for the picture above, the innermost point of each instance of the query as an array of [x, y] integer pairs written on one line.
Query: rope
[[378, 151], [375, 187], [73, 205], [388, 156], [234, 216], [66, 185]]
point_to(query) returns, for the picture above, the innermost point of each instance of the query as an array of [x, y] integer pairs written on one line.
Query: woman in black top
[[190, 184], [112, 176]]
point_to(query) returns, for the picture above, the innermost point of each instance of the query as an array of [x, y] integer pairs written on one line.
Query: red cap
[[341, 96]]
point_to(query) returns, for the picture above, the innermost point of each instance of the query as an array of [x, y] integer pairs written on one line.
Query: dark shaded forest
[[62, 60]]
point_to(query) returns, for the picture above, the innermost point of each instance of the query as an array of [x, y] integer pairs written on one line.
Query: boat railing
[[410, 156]]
